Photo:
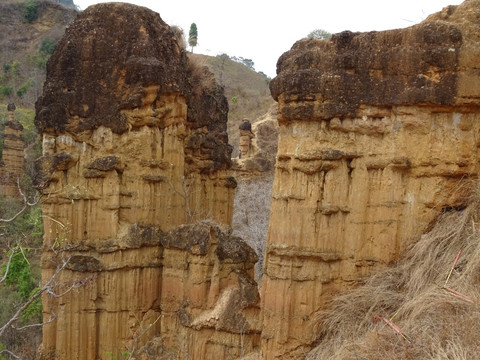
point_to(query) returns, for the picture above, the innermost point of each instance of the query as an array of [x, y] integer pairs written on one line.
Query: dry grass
[[431, 298], [201, 78]]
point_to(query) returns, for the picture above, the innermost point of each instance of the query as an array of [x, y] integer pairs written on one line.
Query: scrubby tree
[[48, 45], [248, 63], [319, 34], [30, 12], [251, 215], [193, 36]]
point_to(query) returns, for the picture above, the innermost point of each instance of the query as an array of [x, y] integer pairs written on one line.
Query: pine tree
[[193, 36]]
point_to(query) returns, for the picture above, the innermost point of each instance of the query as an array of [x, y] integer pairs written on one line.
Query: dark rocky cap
[[101, 66], [245, 125], [328, 78]]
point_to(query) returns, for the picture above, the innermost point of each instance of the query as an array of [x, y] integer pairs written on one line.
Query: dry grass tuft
[[431, 296], [201, 78]]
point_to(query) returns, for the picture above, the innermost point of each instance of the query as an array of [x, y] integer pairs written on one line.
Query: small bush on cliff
[[22, 90], [48, 45], [5, 91], [319, 34]]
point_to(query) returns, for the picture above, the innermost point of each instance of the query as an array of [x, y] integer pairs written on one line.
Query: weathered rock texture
[[255, 179], [245, 142], [262, 138], [11, 163], [135, 145], [379, 133]]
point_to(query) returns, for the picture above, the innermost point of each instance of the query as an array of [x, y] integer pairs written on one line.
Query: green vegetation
[[19, 21], [40, 59], [21, 241], [120, 356], [5, 91], [47, 46], [31, 11], [319, 34], [18, 79], [193, 36], [24, 88], [19, 274]]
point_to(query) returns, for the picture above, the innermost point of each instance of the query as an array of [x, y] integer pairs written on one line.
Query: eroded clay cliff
[[134, 148], [379, 133], [11, 163]]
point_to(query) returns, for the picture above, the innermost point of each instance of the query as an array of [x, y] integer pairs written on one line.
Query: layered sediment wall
[[379, 133], [135, 152], [11, 163]]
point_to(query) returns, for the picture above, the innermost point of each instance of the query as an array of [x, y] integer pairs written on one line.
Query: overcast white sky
[[262, 30]]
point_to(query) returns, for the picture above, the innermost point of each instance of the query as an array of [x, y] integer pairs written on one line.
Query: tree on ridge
[[319, 34], [193, 36]]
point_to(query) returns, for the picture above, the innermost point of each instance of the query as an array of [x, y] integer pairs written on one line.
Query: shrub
[[6, 91], [31, 11], [47, 46], [20, 276], [24, 88]]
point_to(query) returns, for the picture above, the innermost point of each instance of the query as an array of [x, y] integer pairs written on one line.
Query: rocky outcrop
[[260, 138], [246, 136], [378, 136], [254, 176], [11, 163], [134, 148]]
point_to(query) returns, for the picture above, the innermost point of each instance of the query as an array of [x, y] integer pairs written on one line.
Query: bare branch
[[51, 319], [55, 295], [26, 204], [8, 265], [47, 287], [137, 336], [9, 353], [192, 207]]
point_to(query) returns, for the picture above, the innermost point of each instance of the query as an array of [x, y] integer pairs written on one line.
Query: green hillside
[[29, 31]]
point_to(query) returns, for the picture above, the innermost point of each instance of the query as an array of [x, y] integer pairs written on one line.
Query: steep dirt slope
[[21, 41], [247, 91]]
